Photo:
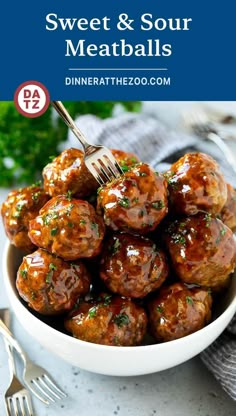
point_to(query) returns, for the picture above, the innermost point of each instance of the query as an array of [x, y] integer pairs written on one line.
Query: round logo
[[31, 99]]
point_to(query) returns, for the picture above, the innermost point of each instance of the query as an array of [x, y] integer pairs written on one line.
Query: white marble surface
[[188, 389]]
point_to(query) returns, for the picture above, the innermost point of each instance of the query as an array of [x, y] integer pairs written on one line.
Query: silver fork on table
[[98, 159], [198, 121], [17, 398], [36, 378]]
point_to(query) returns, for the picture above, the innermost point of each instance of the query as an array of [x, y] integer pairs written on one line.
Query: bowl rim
[[230, 310]]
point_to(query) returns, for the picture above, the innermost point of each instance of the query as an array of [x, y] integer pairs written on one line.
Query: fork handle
[[11, 361], [62, 111], [4, 330]]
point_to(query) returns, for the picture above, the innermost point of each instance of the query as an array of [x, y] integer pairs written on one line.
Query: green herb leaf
[[124, 202], [189, 300], [52, 266], [92, 312], [54, 231], [158, 205], [23, 273], [121, 319]]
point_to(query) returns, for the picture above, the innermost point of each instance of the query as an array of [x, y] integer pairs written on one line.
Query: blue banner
[[120, 50]]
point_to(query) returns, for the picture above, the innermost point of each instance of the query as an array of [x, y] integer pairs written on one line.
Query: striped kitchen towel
[[157, 145]]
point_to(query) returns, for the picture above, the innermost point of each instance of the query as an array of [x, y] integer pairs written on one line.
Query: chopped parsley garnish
[[69, 195], [125, 168], [107, 300], [142, 174], [92, 312], [178, 238], [33, 295], [208, 219], [222, 233], [35, 195], [23, 273], [158, 205], [141, 213], [94, 227], [49, 275], [82, 222], [52, 266], [48, 217], [68, 209], [189, 300], [124, 202], [159, 309], [70, 224], [116, 246], [54, 231], [36, 184], [121, 319]]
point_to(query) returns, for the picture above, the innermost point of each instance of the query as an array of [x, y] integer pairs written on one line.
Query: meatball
[[202, 250], [49, 284], [135, 202], [125, 159], [108, 320], [21, 206], [196, 184], [68, 173], [178, 311], [69, 228], [132, 265], [228, 213]]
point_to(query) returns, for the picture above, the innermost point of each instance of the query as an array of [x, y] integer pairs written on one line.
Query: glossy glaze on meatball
[[178, 311], [49, 284], [228, 213], [69, 228], [136, 202], [202, 250], [67, 172], [126, 160], [196, 184], [132, 266], [109, 320], [21, 206]]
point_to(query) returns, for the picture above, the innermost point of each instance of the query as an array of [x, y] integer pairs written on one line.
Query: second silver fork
[[17, 397], [197, 120], [36, 378]]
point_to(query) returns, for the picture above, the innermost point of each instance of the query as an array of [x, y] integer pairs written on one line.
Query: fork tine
[[109, 166], [100, 171], [14, 406], [37, 384], [8, 407], [95, 173], [105, 170], [35, 392], [28, 405], [49, 379], [114, 165], [21, 405], [49, 389]]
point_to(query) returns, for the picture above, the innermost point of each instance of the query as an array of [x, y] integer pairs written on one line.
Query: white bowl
[[115, 361]]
